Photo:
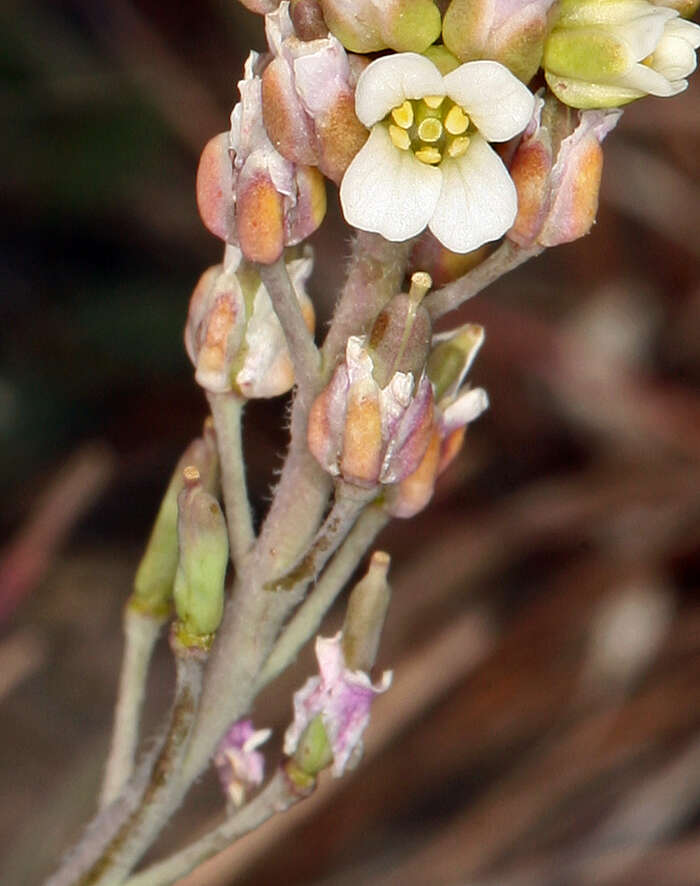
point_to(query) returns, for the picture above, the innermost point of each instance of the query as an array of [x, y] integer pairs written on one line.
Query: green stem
[[227, 412], [140, 635], [307, 619], [276, 797]]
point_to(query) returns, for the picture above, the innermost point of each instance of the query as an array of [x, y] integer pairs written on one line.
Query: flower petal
[[388, 191], [641, 35], [478, 201], [389, 80], [498, 103]]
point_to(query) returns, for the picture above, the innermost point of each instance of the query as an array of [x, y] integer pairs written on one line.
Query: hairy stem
[[110, 860], [307, 619], [376, 272], [302, 349], [227, 412], [141, 632], [506, 258], [277, 796]]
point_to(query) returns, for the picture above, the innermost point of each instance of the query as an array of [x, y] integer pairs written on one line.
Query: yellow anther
[[458, 146], [430, 130], [433, 101], [429, 155], [403, 115], [399, 137], [456, 121]]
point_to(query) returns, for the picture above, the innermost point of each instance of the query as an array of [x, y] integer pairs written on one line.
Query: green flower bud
[[155, 576], [201, 569], [372, 25], [606, 53], [400, 337], [365, 615], [450, 359]]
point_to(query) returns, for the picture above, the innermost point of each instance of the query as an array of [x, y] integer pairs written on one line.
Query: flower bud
[[308, 97], [331, 712], [606, 53], [233, 336], [365, 614], [557, 170], [452, 356], [239, 763], [201, 570], [249, 194], [155, 576], [511, 32], [367, 434], [307, 18], [372, 25], [400, 337]]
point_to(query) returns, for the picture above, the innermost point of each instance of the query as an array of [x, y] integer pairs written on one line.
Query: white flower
[[427, 161]]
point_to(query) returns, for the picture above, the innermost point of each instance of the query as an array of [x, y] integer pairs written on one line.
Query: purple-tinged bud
[[511, 32], [373, 25], [557, 170], [367, 434], [308, 98], [155, 576], [399, 340], [202, 537], [332, 710], [233, 336], [249, 194], [239, 763], [452, 355]]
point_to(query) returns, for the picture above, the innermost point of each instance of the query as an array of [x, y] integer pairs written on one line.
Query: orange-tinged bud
[[414, 492], [259, 217], [557, 170], [214, 187]]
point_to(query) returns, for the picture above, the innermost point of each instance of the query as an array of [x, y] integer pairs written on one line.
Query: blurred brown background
[[544, 726]]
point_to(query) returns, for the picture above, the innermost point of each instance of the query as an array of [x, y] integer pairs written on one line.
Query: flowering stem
[[109, 862], [141, 631], [227, 411], [308, 618], [302, 349], [346, 509], [506, 258], [277, 796], [376, 272]]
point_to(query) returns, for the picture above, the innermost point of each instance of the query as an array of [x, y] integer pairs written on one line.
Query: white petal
[[674, 57], [465, 409], [389, 80], [498, 103], [478, 201], [641, 35], [388, 191], [645, 80]]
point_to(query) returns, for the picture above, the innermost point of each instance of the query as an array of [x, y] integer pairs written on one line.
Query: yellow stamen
[[399, 137], [429, 155], [433, 101], [456, 121], [458, 146], [403, 115], [430, 130]]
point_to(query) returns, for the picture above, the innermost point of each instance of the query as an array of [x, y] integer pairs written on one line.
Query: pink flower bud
[[557, 170], [511, 32], [238, 762], [233, 336], [308, 97], [341, 697], [249, 194], [367, 434], [452, 355]]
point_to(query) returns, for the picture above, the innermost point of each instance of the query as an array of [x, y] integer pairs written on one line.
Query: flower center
[[432, 128]]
